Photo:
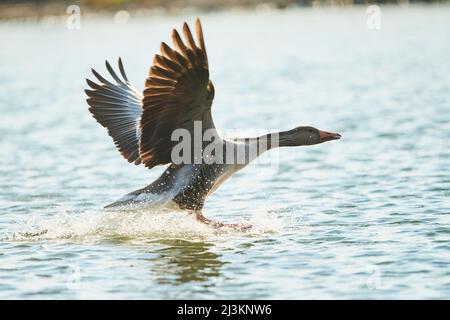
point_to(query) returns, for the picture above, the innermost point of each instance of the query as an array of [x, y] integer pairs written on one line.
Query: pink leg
[[241, 227]]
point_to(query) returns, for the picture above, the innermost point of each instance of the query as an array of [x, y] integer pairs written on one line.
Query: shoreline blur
[[39, 9]]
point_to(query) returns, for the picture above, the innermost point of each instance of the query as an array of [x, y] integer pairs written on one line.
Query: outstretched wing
[[117, 107], [177, 93]]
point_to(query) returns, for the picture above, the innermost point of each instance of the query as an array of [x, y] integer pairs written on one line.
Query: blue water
[[364, 217]]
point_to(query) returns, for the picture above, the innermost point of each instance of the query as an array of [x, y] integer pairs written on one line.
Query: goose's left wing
[[177, 93]]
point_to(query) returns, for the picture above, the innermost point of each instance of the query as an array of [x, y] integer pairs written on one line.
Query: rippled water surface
[[364, 217]]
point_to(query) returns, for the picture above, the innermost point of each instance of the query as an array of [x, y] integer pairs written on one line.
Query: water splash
[[133, 223]]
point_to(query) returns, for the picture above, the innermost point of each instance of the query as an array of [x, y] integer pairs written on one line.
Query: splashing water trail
[[134, 223]]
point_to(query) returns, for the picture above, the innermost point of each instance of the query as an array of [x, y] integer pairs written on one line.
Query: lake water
[[364, 217]]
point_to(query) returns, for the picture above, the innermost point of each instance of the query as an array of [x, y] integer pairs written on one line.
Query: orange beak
[[327, 136]]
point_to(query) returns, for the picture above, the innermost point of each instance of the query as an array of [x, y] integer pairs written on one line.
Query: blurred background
[[39, 8], [364, 217]]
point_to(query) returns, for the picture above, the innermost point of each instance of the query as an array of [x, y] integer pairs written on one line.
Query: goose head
[[305, 136]]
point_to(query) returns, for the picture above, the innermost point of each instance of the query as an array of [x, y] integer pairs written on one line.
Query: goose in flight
[[177, 101]]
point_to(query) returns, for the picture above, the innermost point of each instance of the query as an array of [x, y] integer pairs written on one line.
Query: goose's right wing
[[117, 107]]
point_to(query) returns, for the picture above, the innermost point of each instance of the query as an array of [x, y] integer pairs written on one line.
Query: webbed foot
[[235, 226]]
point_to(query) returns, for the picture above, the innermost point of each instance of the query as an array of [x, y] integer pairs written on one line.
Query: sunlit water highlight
[[364, 217]]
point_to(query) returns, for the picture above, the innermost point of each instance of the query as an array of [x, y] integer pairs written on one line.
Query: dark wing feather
[[117, 107], [177, 93]]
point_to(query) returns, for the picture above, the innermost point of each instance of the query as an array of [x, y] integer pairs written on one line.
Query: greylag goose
[[177, 100]]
